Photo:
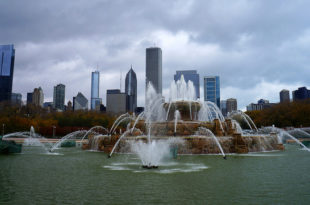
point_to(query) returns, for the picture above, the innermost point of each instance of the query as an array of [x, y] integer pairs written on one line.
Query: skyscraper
[[191, 75], [16, 99], [59, 97], [284, 96], [223, 107], [7, 59], [301, 94], [211, 86], [29, 98], [131, 90], [231, 105], [116, 101], [95, 101], [154, 68], [80, 102], [38, 97]]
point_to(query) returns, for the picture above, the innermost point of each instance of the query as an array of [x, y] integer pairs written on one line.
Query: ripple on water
[[167, 168], [53, 153]]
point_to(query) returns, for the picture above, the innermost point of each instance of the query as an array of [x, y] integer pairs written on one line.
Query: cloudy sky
[[256, 47]]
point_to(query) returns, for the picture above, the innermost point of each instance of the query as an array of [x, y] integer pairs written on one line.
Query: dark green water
[[80, 177]]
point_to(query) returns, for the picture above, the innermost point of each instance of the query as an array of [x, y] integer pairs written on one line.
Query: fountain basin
[[9, 146]]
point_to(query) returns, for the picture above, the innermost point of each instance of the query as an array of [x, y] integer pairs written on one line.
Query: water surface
[[73, 176]]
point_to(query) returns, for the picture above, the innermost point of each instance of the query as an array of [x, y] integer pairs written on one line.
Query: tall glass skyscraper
[[154, 68], [191, 75], [211, 85], [95, 101], [59, 97], [7, 59], [131, 90]]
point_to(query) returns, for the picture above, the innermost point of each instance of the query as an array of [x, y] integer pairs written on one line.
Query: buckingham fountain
[[183, 125]]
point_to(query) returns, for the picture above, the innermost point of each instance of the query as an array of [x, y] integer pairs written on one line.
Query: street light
[[54, 131]]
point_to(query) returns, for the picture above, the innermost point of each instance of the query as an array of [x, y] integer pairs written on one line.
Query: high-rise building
[[223, 107], [69, 106], [29, 98], [231, 105], [16, 99], [131, 90], [59, 97], [284, 96], [95, 101], [211, 87], [80, 102], [261, 104], [154, 68], [48, 105], [301, 94], [191, 75], [7, 59], [116, 101], [38, 97]]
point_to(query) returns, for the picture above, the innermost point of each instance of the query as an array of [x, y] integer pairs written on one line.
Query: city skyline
[[254, 51]]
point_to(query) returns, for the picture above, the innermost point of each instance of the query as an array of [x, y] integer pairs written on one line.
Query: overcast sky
[[257, 47]]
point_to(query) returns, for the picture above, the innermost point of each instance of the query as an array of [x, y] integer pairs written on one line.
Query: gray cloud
[[249, 44]]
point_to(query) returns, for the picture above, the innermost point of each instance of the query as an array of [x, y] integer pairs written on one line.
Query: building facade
[[80, 102], [223, 107], [7, 59], [154, 68], [284, 96], [116, 101], [231, 105], [191, 75], [38, 97], [301, 93], [69, 106], [131, 90], [16, 99], [59, 97], [260, 105], [29, 98], [211, 85], [95, 101]]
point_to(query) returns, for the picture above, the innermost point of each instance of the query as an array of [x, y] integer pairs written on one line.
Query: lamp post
[[54, 131]]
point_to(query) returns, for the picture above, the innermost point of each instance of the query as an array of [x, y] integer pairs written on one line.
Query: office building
[[211, 86], [80, 102], [223, 107], [131, 90], [16, 99], [29, 98], [38, 97], [191, 75], [69, 106], [7, 59], [95, 101], [284, 96], [301, 94], [260, 105], [116, 101], [154, 68], [59, 97], [231, 105]]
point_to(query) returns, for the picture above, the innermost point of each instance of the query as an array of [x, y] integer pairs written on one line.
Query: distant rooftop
[[179, 72]]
